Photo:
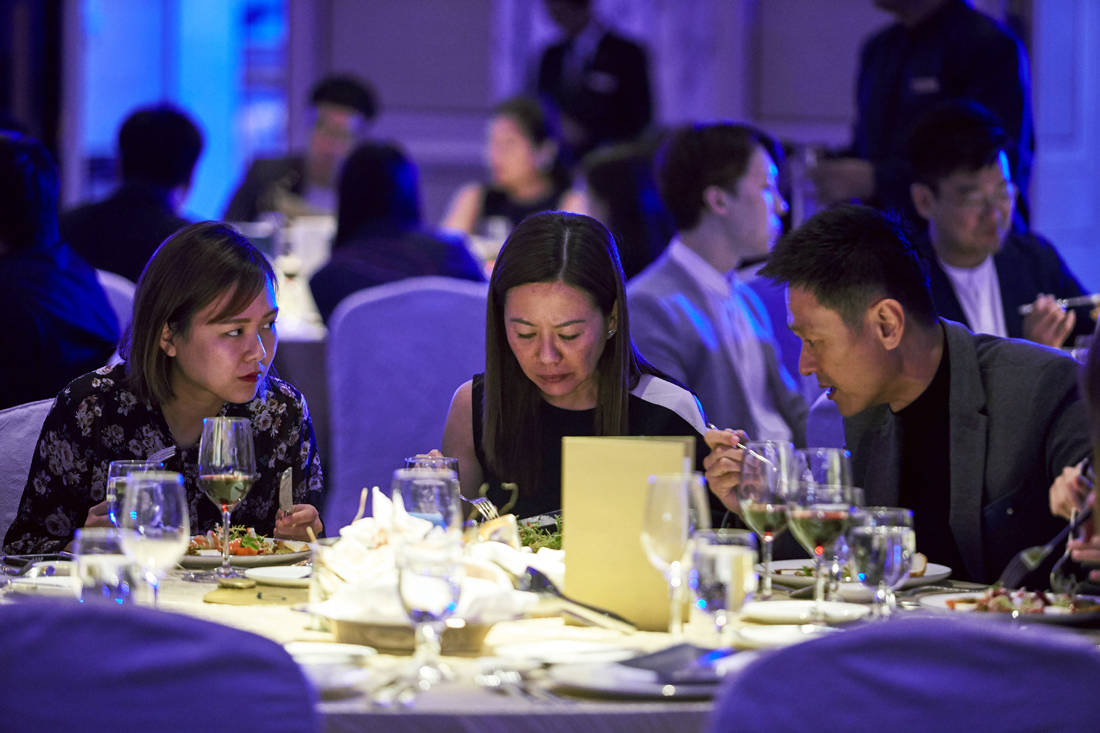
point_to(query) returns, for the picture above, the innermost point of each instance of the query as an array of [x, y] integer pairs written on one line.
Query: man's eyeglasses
[[976, 201]]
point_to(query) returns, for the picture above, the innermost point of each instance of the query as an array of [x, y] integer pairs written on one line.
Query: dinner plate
[[770, 636], [192, 562], [43, 585], [619, 681], [290, 576], [783, 573], [939, 601], [801, 612], [564, 651], [335, 670]]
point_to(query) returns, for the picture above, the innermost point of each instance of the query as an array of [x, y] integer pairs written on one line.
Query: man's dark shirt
[[378, 257], [58, 326], [925, 475], [955, 53], [121, 232]]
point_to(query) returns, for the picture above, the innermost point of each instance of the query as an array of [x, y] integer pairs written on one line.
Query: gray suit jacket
[[1015, 423], [676, 329]]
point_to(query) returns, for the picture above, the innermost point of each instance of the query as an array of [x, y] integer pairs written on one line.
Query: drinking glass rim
[[158, 475], [226, 419], [408, 474]]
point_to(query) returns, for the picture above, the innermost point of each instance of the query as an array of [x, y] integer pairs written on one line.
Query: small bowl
[[464, 640]]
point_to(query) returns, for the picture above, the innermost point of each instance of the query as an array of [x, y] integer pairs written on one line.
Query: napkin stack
[[361, 574]]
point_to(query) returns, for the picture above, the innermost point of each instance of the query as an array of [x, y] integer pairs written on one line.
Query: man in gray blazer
[[690, 315], [969, 431]]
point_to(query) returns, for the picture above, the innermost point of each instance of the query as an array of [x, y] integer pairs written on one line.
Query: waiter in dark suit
[[597, 79]]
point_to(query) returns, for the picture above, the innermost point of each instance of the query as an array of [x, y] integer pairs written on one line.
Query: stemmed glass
[[227, 470], [433, 494], [818, 516], [723, 573], [155, 523], [766, 476], [882, 542], [676, 506], [117, 471], [830, 467]]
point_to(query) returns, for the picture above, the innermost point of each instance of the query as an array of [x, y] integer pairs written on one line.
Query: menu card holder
[[603, 504]]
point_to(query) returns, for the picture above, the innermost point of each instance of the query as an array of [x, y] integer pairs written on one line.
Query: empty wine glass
[[882, 543], [227, 470], [766, 475], [116, 483], [429, 584], [723, 573], [431, 494], [155, 523], [676, 506], [818, 516]]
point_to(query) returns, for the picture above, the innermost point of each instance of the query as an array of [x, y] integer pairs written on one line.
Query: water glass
[[882, 543], [429, 584], [767, 474], [117, 471], [723, 573], [155, 523], [102, 568], [434, 463], [676, 507], [431, 494]]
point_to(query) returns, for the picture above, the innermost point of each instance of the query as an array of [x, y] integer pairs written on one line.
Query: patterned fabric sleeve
[[310, 489], [65, 480]]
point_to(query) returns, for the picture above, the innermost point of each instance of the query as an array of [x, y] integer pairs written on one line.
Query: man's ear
[[887, 318], [714, 199], [167, 341], [923, 199]]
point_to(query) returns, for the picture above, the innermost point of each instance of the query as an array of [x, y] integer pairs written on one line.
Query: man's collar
[[700, 270]]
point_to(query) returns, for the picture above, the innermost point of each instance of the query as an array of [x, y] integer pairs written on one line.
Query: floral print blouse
[[98, 419]]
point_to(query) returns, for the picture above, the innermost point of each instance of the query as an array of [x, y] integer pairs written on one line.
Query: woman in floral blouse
[[202, 342]]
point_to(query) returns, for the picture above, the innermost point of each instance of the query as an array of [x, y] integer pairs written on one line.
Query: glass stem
[[225, 542], [819, 590], [881, 602], [766, 581], [676, 607]]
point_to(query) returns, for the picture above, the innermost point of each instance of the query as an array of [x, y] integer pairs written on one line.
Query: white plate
[[334, 669], [44, 585], [192, 562], [801, 612], [933, 573], [564, 651], [290, 576], [771, 636], [620, 681]]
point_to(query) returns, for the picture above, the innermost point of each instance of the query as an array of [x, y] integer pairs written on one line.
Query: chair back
[[396, 354], [19, 429], [99, 668], [949, 675]]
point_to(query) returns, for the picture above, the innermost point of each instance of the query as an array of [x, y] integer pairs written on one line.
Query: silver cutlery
[[1063, 303], [1029, 558]]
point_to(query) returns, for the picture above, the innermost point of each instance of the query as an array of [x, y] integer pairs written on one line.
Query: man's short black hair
[[345, 90], [159, 145], [849, 257], [28, 193], [954, 136], [697, 156]]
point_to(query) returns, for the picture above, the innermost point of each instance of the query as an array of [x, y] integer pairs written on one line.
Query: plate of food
[[246, 549], [1021, 605], [800, 573]]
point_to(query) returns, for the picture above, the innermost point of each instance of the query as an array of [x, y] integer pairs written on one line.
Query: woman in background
[[201, 344], [559, 361]]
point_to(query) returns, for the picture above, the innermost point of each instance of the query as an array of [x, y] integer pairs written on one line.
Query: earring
[[611, 332]]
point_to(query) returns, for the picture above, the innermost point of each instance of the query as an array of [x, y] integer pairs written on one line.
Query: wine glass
[[427, 461], [155, 523], [766, 476], [818, 516], [829, 467], [116, 483], [723, 573], [227, 470], [429, 584], [431, 494], [676, 506], [882, 542]]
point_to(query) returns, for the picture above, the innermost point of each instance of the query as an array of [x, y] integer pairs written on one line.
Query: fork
[[484, 507], [1029, 558]]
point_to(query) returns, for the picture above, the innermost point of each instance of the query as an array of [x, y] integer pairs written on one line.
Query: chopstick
[[1075, 302]]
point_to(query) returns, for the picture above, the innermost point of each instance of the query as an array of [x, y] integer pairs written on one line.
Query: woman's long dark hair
[[377, 191], [552, 246]]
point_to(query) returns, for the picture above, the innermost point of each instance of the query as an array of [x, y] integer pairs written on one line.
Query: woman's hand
[[293, 525], [723, 464], [97, 516], [1068, 492]]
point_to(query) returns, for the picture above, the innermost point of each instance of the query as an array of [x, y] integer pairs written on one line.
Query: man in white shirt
[[691, 315], [981, 272]]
